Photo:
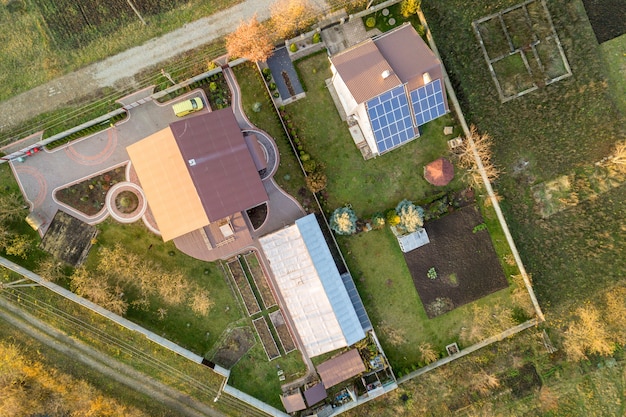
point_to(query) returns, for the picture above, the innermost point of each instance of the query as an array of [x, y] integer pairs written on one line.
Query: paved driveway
[[44, 172]]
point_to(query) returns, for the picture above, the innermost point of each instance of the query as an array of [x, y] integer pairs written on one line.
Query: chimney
[[385, 74], [426, 78]]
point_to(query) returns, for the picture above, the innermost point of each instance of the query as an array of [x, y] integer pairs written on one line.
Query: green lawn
[[370, 186], [256, 376], [374, 258], [289, 174]]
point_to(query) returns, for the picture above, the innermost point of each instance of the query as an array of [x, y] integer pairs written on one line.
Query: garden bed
[[458, 266], [283, 331], [269, 344], [260, 279], [88, 196], [243, 285], [234, 346], [607, 18]]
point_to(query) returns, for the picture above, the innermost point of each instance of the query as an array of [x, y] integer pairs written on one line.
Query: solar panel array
[[391, 121], [428, 102]]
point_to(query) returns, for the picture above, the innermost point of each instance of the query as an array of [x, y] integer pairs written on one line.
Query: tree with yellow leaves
[[289, 17], [587, 334], [250, 40]]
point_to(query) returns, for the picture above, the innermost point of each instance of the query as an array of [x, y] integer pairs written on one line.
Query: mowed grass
[[539, 137], [255, 375], [180, 325], [369, 186], [374, 259], [32, 55], [289, 174]]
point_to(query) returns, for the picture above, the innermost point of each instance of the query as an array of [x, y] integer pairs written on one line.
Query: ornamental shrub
[[370, 22], [411, 216], [293, 47], [272, 86], [317, 38], [392, 217], [378, 221], [343, 221], [266, 71], [309, 165]]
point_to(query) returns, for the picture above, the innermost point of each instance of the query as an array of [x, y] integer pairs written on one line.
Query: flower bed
[[269, 344], [283, 331], [243, 285], [260, 279], [88, 196]]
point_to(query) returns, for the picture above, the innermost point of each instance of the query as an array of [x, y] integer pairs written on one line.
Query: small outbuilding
[[315, 394], [342, 367], [68, 238], [293, 402], [439, 172]]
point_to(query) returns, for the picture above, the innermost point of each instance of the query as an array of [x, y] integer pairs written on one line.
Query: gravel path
[[120, 69]]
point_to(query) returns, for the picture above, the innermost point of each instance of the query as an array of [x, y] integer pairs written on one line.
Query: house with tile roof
[[388, 87], [200, 175]]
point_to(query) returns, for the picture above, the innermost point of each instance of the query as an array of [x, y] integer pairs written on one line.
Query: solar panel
[[390, 118], [428, 103]]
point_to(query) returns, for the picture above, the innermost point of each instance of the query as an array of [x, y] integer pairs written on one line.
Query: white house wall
[[366, 127], [345, 97]]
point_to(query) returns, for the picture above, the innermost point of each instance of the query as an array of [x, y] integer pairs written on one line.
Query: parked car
[[188, 106]]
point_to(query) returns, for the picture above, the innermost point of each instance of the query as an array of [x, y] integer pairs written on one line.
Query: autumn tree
[[12, 209], [316, 181], [250, 40], [289, 17], [427, 353], [98, 291], [343, 221], [409, 7], [50, 269], [587, 334], [483, 145]]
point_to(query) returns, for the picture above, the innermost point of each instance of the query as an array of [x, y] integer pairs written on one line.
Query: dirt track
[[178, 402], [119, 70]]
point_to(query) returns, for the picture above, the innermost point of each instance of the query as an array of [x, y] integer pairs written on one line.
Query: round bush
[[272, 86], [317, 38], [293, 47], [309, 165], [370, 22], [266, 71]]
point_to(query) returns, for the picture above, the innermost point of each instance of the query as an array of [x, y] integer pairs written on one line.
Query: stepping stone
[[448, 130], [385, 12]]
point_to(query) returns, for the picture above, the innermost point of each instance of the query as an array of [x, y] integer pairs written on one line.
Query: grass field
[[539, 137], [58, 362], [614, 55], [62, 39]]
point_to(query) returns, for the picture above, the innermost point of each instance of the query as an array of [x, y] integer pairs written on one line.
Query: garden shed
[[293, 402], [68, 238], [342, 367], [309, 282]]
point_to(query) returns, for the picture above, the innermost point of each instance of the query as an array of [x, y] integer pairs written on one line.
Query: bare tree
[[250, 40], [98, 291], [483, 382], [483, 145], [289, 17]]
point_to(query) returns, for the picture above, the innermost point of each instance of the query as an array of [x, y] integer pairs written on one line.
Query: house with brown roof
[[388, 87], [200, 175]]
